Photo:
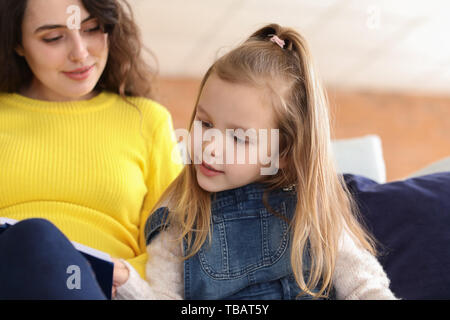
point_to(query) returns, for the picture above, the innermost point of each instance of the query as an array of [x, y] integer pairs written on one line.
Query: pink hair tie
[[277, 40]]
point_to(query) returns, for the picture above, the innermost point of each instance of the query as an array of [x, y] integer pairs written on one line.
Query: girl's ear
[[282, 163]]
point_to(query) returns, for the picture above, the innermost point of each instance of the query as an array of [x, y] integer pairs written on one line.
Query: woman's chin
[[80, 92]]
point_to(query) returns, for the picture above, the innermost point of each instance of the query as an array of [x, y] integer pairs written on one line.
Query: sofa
[[409, 218]]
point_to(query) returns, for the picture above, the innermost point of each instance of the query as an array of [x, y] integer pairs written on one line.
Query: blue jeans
[[37, 261]]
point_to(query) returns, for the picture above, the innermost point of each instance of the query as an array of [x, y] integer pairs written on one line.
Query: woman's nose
[[79, 51]]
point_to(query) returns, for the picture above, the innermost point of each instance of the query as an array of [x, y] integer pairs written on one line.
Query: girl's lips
[[80, 74], [208, 170]]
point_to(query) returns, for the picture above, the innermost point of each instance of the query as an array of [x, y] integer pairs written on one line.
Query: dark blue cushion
[[411, 220]]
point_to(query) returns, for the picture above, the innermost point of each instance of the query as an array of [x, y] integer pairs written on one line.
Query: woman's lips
[[79, 74], [209, 171]]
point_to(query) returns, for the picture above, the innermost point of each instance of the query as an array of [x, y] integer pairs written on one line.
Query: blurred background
[[385, 63]]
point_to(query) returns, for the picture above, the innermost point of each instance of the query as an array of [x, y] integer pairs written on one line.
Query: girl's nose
[[214, 149], [79, 51]]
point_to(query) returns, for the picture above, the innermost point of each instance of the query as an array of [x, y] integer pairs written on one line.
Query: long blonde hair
[[324, 205]]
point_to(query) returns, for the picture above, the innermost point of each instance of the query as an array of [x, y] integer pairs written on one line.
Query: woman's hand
[[120, 275]]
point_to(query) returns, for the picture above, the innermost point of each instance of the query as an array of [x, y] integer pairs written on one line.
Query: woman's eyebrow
[[57, 26]]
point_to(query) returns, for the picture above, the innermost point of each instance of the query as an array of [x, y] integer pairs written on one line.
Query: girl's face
[[66, 62], [225, 107]]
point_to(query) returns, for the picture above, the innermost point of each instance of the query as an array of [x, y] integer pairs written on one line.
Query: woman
[[83, 147]]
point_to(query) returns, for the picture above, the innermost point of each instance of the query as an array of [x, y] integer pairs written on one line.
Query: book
[[100, 261]]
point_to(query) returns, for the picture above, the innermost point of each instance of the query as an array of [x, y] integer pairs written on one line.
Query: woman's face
[[56, 52]]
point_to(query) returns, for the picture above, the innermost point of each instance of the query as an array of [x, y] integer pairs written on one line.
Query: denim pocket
[[243, 242]]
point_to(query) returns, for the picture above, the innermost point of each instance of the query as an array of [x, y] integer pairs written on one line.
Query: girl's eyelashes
[[238, 140], [205, 124], [235, 138]]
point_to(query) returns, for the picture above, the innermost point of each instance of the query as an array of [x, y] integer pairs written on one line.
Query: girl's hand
[[120, 275]]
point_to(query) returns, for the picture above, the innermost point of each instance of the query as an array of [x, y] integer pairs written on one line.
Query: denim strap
[[155, 223]]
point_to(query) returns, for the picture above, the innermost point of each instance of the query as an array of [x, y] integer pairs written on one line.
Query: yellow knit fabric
[[94, 168]]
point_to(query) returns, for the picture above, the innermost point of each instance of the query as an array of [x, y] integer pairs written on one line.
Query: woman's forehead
[[52, 12]]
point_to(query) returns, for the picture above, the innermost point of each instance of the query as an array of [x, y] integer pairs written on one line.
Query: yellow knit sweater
[[94, 168]]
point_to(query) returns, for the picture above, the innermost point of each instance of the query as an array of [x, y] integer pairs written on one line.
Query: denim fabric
[[249, 253]]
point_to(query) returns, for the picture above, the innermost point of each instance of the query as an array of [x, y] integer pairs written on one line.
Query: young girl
[[223, 230]]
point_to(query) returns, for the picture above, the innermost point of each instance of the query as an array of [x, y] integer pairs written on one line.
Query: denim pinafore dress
[[249, 253]]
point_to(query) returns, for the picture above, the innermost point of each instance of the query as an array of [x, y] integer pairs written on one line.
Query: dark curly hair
[[126, 73]]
